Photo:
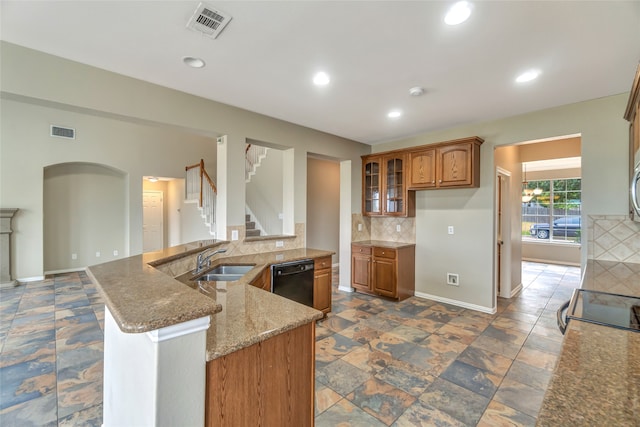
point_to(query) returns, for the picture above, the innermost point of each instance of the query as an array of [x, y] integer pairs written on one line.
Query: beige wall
[[470, 251], [134, 126]]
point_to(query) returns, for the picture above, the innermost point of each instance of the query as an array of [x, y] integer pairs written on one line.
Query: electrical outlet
[[97, 254], [279, 243], [115, 252], [398, 228], [74, 256], [359, 226], [450, 229], [234, 234], [280, 215], [453, 279], [279, 257]]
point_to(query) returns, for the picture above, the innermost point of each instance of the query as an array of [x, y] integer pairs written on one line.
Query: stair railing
[[195, 188]]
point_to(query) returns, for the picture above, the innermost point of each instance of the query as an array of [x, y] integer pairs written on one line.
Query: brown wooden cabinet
[[452, 164], [385, 271], [322, 284], [270, 383], [384, 189], [361, 267], [263, 280]]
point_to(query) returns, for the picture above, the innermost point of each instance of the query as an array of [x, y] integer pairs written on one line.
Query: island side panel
[[270, 383]]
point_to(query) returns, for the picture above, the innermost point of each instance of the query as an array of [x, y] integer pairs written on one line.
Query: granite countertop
[[242, 314], [383, 244], [597, 377]]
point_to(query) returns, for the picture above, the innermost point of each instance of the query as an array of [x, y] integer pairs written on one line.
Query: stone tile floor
[[378, 363]]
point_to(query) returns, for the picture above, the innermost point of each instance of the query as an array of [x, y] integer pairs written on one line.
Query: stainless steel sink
[[224, 273]]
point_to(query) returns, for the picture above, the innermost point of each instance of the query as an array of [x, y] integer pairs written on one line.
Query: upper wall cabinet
[[389, 177], [453, 164], [384, 188]]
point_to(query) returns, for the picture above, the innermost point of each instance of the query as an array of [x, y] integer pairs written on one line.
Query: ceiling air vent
[[208, 20], [62, 132]]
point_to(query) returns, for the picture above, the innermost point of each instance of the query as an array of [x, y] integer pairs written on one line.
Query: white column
[[345, 227], [155, 378]]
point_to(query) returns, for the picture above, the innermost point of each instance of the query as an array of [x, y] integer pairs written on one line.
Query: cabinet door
[[394, 188], [454, 166], [371, 187], [422, 169], [322, 290], [384, 277], [361, 268]]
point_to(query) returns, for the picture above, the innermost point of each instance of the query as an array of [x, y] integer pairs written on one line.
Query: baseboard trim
[[457, 303], [345, 288], [30, 279], [516, 291], [550, 261], [66, 270]]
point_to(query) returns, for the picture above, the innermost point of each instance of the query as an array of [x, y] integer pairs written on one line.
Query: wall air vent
[[63, 132], [208, 20]]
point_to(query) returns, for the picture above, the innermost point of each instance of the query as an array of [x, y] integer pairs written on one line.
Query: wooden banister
[[203, 174]]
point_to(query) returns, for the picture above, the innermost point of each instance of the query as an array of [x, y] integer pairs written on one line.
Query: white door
[[152, 219]]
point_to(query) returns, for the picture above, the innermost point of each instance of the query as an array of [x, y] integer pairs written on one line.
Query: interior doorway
[[152, 221], [323, 204]]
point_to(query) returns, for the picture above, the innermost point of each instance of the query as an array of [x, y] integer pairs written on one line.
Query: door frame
[[502, 263]]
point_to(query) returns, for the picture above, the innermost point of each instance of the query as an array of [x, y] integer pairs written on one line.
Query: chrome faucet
[[205, 257]]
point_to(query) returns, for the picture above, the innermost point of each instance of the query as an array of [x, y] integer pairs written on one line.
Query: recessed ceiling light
[[193, 62], [394, 114], [153, 179], [527, 76], [321, 79], [458, 13]]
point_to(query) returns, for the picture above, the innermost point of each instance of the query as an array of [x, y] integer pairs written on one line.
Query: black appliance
[[603, 308], [294, 280]]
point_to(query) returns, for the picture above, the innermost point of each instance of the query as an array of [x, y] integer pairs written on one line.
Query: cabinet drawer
[[384, 253], [364, 250], [322, 263]]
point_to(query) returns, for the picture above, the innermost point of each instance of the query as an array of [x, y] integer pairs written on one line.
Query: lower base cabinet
[[385, 271], [322, 284], [270, 383]]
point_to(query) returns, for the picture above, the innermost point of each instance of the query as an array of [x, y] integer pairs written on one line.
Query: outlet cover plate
[[453, 279]]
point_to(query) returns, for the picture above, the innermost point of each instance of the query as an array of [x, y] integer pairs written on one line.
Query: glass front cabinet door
[[384, 189], [372, 204]]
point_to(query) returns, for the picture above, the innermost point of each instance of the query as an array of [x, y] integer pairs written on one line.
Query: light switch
[[234, 234], [398, 228]]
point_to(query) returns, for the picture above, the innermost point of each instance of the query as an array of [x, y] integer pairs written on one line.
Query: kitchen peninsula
[[596, 381], [209, 354]]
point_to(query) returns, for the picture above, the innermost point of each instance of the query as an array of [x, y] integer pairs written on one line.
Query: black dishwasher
[[294, 280]]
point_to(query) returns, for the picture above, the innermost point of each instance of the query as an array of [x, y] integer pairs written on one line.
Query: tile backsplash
[[613, 238], [383, 228]]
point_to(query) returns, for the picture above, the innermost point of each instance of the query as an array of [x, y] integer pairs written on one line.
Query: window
[[554, 214]]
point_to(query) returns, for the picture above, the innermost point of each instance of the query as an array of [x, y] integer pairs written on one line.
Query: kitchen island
[[220, 349], [596, 381]]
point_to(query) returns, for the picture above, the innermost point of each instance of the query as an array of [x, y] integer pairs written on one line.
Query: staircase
[[199, 188], [250, 226]]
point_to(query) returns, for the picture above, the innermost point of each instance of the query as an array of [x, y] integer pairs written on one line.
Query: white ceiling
[[374, 51]]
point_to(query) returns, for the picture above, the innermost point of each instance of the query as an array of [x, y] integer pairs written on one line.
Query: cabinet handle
[[433, 182], [441, 181]]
